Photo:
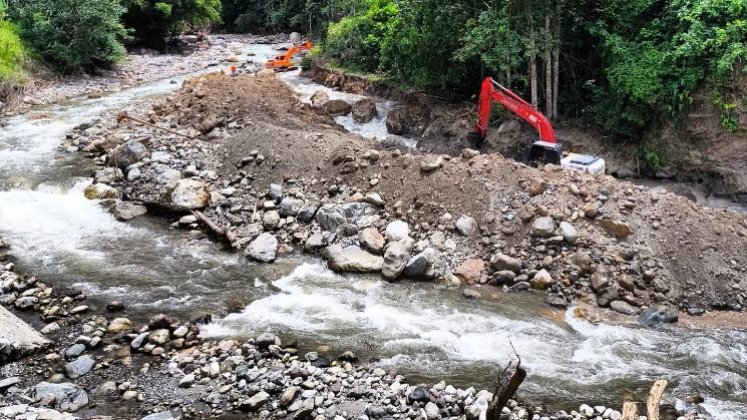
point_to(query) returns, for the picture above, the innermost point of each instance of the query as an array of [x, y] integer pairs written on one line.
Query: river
[[427, 333]]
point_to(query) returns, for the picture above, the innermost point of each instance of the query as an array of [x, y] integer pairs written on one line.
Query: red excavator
[[547, 149], [284, 62]]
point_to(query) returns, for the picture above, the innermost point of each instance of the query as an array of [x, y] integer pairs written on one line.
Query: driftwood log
[[654, 398], [122, 115], [209, 223], [508, 383], [630, 411]]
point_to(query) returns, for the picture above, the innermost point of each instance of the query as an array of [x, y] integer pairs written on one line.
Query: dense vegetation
[[620, 64], [12, 51]]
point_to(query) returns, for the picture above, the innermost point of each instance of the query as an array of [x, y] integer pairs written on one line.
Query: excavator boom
[[285, 61], [493, 91]]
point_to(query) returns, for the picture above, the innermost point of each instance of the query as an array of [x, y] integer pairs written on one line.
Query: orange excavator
[[546, 149], [285, 61]]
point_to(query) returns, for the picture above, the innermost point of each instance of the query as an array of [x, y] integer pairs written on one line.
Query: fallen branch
[[508, 383], [629, 411], [654, 398], [122, 115], [209, 223]]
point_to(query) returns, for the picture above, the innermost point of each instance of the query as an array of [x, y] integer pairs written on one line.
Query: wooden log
[[209, 223], [654, 398], [506, 388], [629, 411], [121, 116]]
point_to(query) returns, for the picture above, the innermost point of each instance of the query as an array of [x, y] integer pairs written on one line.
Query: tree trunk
[[533, 60], [556, 58], [548, 69]]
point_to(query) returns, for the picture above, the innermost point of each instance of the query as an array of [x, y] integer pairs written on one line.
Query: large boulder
[[353, 259], [79, 367], [319, 98], [100, 192], [332, 216], [17, 338], [372, 240], [127, 154], [124, 210], [397, 231], [659, 314], [396, 257], [364, 110], [338, 107], [66, 396], [190, 194], [264, 248], [420, 266], [396, 121], [291, 206], [502, 262]]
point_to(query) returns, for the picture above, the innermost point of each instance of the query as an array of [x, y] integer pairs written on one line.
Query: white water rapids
[[427, 333]]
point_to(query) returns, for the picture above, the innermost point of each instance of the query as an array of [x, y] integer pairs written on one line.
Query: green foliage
[[653, 158], [311, 16], [12, 53], [73, 34], [357, 40], [155, 22]]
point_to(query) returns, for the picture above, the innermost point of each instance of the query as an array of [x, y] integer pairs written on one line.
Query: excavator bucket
[[546, 152]]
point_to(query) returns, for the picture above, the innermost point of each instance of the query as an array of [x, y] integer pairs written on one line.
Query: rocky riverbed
[[269, 176]]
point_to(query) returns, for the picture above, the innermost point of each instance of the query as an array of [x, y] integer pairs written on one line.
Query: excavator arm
[[285, 61], [493, 91]]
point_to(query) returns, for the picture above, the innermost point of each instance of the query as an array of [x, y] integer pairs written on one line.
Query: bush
[[12, 53], [155, 22], [73, 34]]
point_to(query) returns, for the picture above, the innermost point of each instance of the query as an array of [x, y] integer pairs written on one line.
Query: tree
[[155, 22], [73, 34]]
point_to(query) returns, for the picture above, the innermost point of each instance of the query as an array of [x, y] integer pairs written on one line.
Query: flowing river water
[[427, 333]]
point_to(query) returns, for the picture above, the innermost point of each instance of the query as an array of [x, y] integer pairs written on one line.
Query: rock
[[275, 192], [337, 107], [79, 367], [466, 225], [256, 401], [353, 259], [289, 395], [396, 256], [267, 339], [74, 351], [100, 192], [470, 271], [127, 154], [600, 278], [332, 216], [543, 227], [319, 98], [659, 314], [314, 242], [619, 229], [471, 294], [431, 163], [537, 186], [190, 194], [432, 412], [108, 175], [232, 59], [26, 302], [163, 415], [419, 266], [125, 210], [504, 262], [568, 232], [161, 321], [308, 212], [623, 307], [65, 396], [270, 220], [542, 280], [397, 231], [290, 206], [9, 382], [606, 295], [374, 199], [119, 325], [582, 260], [50, 328], [372, 240], [364, 110], [188, 220], [591, 210], [396, 121], [187, 381], [159, 337], [263, 249], [556, 301], [139, 341]]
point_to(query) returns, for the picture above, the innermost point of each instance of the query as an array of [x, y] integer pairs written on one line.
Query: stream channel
[[428, 334]]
